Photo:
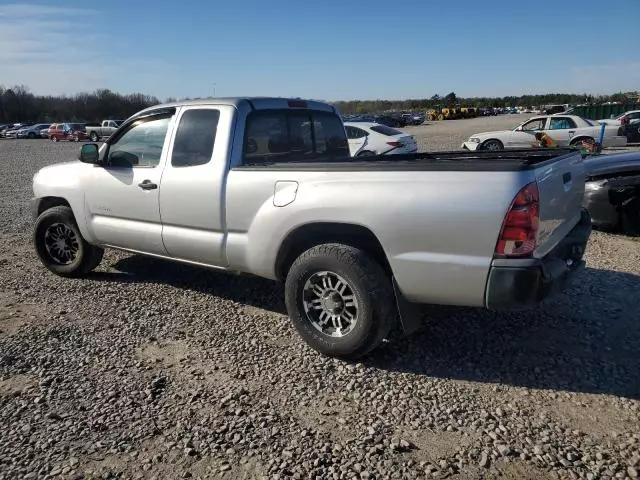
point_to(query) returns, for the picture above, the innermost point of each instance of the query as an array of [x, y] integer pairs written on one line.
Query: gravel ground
[[148, 369]]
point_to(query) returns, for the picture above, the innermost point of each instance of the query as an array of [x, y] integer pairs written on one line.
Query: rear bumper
[[522, 283]]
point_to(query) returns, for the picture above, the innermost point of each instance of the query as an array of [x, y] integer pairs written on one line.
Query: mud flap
[[409, 313]]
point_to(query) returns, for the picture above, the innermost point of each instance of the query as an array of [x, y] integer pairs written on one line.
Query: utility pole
[[214, 89]]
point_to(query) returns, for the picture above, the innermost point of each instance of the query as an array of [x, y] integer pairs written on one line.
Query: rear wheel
[[60, 245], [31, 135], [492, 145], [631, 218], [339, 300]]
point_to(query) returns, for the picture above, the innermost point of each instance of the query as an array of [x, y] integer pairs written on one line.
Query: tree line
[[451, 100], [17, 104]]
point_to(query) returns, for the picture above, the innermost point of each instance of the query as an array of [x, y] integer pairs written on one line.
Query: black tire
[[366, 153], [86, 258], [54, 138], [371, 288], [31, 135], [94, 137], [492, 145], [631, 218]]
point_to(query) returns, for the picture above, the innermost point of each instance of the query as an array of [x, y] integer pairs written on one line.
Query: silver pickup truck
[[105, 129], [266, 186]]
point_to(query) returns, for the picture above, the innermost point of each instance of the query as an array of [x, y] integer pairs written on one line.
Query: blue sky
[[323, 49]]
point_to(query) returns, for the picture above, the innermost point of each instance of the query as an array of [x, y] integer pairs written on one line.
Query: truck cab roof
[[255, 103]]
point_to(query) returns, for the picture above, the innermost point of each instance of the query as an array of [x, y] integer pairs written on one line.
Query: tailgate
[[561, 187]]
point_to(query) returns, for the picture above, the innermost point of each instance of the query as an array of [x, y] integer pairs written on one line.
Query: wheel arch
[[45, 203], [309, 235], [581, 137], [492, 139]]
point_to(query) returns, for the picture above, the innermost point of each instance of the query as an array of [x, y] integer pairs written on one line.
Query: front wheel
[[54, 139], [493, 145], [94, 137], [60, 245], [339, 300], [31, 135]]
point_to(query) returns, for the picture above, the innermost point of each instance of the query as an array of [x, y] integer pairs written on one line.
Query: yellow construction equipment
[[451, 113], [432, 114]]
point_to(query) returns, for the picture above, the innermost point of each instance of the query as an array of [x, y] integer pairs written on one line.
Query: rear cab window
[[289, 135]]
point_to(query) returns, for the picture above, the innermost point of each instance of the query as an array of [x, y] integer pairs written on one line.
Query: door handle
[[147, 185]]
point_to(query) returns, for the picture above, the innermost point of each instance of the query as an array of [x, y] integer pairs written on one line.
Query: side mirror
[[89, 153], [519, 129]]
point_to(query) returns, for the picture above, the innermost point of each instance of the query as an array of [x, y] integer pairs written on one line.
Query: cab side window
[[195, 138], [141, 145]]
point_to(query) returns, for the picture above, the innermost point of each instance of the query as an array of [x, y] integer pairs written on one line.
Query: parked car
[[625, 118], [72, 132], [32, 131], [612, 191], [631, 130], [488, 112], [566, 130], [12, 132], [389, 121], [104, 130], [44, 133], [413, 118], [376, 139], [266, 186], [552, 109]]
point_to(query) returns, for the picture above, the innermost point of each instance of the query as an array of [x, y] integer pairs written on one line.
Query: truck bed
[[506, 160]]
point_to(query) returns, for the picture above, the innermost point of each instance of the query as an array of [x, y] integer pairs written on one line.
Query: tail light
[[395, 144], [624, 120], [518, 237]]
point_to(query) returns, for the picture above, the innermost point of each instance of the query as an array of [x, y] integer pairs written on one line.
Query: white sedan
[[565, 130], [376, 139]]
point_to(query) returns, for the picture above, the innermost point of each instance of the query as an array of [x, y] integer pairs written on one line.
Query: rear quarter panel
[[438, 229]]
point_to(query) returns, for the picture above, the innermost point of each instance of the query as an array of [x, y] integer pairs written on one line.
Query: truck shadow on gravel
[[249, 290], [584, 341]]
